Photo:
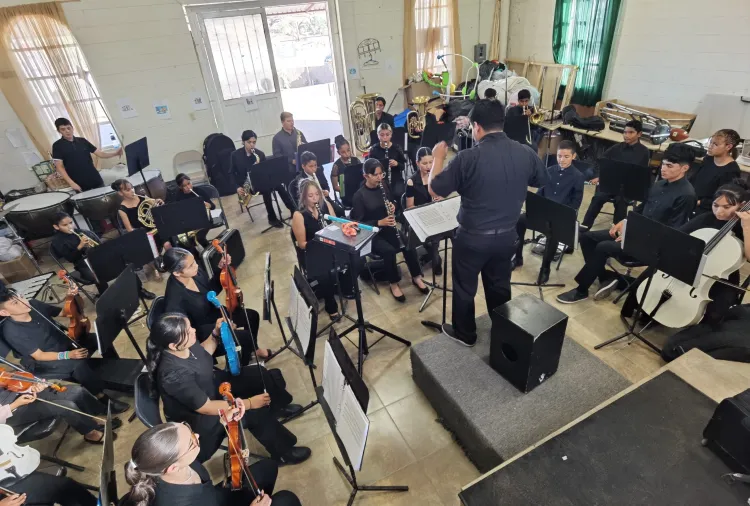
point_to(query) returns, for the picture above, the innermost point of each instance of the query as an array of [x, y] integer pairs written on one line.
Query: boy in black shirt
[[523, 107]]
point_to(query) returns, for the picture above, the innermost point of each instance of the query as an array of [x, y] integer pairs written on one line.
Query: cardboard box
[[17, 269]]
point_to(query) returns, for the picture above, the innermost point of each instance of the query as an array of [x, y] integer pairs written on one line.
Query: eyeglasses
[[194, 442]]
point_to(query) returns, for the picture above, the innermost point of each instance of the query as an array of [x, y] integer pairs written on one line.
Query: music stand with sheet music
[[268, 175], [435, 221], [111, 257], [344, 387], [269, 299], [661, 248], [136, 156], [107, 474], [181, 217], [625, 181], [557, 222]]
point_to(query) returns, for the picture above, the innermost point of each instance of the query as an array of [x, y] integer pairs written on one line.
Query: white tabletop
[[38, 201], [149, 174]]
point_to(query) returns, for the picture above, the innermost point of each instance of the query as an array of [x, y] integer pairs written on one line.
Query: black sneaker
[[572, 297], [516, 261], [117, 406], [276, 224], [450, 332], [145, 294], [606, 289], [296, 455], [289, 410]]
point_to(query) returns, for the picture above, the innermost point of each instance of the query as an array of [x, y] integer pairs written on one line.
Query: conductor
[[492, 178]]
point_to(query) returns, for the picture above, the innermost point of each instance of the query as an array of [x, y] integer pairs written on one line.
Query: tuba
[[362, 115], [144, 213], [655, 129], [416, 118]]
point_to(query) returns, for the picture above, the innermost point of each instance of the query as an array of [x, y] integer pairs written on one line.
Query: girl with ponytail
[[164, 471]]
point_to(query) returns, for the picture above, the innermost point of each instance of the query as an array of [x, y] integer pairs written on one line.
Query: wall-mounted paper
[[15, 137], [352, 72], [31, 158], [250, 102], [127, 109], [198, 101], [161, 108]]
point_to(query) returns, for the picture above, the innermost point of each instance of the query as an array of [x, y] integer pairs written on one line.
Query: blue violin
[[228, 339]]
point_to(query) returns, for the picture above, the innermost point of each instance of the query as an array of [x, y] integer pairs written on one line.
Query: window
[[57, 76], [433, 19], [240, 55]]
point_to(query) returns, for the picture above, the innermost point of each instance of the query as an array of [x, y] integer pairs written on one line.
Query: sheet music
[[215, 214], [293, 297], [433, 219], [151, 243], [303, 322], [333, 380], [352, 426]]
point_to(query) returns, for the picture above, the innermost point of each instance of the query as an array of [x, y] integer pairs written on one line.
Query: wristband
[[67, 355], [61, 355], [214, 334]]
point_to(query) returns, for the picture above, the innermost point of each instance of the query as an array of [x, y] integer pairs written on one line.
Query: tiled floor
[[406, 445]]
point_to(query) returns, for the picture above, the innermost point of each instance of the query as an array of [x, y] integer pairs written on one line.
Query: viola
[[228, 279], [235, 460], [79, 324], [17, 381], [228, 339]]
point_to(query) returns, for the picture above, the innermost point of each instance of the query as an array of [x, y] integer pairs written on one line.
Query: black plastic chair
[[157, 309], [625, 277], [213, 194], [146, 407]]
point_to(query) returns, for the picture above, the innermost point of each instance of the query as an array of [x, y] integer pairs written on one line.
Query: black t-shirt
[[24, 338], [202, 193], [76, 158], [368, 206], [185, 384], [708, 177], [204, 494], [201, 313], [418, 191], [132, 213]]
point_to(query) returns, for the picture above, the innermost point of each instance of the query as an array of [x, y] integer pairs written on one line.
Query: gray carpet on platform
[[491, 419]]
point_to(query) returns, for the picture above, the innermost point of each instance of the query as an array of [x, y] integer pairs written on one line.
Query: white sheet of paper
[[304, 328], [333, 380], [352, 426], [435, 218], [251, 103], [161, 108], [15, 137], [198, 101], [292, 311], [127, 109], [31, 158], [215, 213]]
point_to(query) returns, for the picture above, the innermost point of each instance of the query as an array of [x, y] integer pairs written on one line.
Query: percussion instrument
[[156, 185], [33, 215], [97, 204]]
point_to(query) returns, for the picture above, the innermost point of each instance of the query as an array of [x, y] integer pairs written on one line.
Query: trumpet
[[90, 243]]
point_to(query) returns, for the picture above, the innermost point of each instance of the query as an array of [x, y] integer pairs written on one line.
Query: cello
[[675, 304], [79, 325], [235, 460]]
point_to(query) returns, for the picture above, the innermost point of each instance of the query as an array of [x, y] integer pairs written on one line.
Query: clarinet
[[388, 205], [388, 164], [320, 216]]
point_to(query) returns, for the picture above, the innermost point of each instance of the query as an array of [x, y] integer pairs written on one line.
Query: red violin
[[17, 381], [79, 324], [228, 279], [235, 460]]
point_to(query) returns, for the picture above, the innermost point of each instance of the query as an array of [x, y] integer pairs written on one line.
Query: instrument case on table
[[231, 241], [728, 432]]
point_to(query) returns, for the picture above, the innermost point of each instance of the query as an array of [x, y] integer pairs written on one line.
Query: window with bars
[[433, 33], [45, 82], [240, 55]]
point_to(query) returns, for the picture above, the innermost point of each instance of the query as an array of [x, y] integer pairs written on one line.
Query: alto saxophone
[[299, 138], [249, 192]]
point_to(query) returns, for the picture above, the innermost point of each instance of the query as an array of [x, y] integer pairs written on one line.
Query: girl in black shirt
[[344, 149], [181, 371], [386, 150], [163, 470], [718, 168], [186, 191], [305, 223], [417, 194], [370, 209]]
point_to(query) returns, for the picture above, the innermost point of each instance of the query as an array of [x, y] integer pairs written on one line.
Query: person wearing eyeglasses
[[164, 470]]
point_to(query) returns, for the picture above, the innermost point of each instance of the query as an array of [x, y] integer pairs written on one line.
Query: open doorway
[[302, 50]]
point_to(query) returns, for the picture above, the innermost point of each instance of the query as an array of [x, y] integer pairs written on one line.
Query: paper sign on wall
[[161, 108], [352, 73], [127, 109], [198, 101], [251, 103], [15, 137]]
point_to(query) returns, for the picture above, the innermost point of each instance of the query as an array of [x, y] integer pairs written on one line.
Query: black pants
[[88, 276], [386, 245], [549, 250], [326, 290], [75, 397], [728, 341], [46, 489], [264, 472], [597, 247], [433, 253], [473, 254], [285, 197], [262, 423], [595, 207]]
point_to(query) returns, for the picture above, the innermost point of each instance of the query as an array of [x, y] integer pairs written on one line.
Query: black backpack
[[217, 154], [571, 117]]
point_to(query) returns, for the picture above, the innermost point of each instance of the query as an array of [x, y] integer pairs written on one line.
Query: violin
[[79, 324], [228, 279], [228, 338], [235, 460], [18, 382]]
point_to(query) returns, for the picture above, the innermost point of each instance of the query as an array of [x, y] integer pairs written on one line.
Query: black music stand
[[662, 248], [333, 237], [353, 181], [321, 149], [111, 257], [626, 181], [517, 128], [269, 301], [362, 395], [107, 474], [267, 286], [268, 175], [557, 222], [180, 217], [136, 156]]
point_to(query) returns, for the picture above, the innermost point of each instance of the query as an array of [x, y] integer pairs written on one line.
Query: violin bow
[[8, 492], [18, 298]]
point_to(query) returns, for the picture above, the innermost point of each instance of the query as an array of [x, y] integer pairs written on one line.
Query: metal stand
[[284, 221], [429, 323], [310, 366], [343, 314], [287, 342], [434, 285], [356, 487]]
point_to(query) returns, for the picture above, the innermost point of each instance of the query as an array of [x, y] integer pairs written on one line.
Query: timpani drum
[[33, 216], [97, 204], [156, 185]]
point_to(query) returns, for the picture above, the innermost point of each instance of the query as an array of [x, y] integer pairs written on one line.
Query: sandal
[[99, 441]]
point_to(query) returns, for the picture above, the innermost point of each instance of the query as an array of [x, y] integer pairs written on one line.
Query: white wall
[[667, 54], [15, 174]]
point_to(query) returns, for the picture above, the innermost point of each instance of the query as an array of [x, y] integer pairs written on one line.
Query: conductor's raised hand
[[440, 151]]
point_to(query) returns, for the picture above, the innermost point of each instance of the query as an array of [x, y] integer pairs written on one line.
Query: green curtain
[[582, 35]]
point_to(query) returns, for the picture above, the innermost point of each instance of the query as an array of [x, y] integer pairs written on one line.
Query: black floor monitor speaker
[[728, 432], [526, 340]]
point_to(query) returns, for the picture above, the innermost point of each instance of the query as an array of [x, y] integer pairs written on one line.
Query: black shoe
[[544, 275], [288, 410], [296, 455], [450, 332], [438, 269], [116, 424], [400, 298], [516, 261], [569, 250], [572, 297], [276, 223], [582, 229], [424, 290], [117, 406], [145, 294]]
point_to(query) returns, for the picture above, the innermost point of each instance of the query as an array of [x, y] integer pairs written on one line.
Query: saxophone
[[299, 137], [248, 189]]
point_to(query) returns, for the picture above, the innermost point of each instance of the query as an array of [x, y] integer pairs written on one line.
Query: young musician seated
[[718, 168], [164, 470], [188, 191], [671, 200], [344, 149], [386, 150], [630, 150], [241, 163], [19, 409], [524, 107], [69, 243], [46, 350], [418, 195], [19, 475], [727, 201], [564, 186], [313, 172], [182, 372], [369, 207], [305, 222]]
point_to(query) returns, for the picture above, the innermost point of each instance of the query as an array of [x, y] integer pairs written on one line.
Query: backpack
[[217, 153], [571, 117]]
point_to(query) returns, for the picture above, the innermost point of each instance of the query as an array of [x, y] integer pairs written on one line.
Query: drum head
[[96, 192], [39, 201], [150, 174]]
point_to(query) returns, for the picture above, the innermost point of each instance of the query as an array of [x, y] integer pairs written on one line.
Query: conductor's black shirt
[[241, 163], [492, 179], [76, 158]]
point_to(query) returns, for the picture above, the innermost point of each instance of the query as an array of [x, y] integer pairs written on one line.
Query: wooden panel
[[542, 74]]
